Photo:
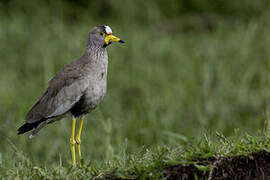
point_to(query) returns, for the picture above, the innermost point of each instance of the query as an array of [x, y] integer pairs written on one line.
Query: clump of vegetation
[[243, 156]]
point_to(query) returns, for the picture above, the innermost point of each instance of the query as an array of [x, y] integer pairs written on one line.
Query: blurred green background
[[188, 67]]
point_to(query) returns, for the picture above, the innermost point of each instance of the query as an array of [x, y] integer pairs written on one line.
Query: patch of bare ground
[[255, 166]]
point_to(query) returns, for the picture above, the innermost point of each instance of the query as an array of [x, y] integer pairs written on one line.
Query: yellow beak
[[113, 38]]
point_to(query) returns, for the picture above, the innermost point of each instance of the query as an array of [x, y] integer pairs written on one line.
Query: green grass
[[144, 163], [173, 80]]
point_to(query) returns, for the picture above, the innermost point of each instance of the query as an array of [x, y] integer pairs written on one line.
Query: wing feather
[[64, 90]]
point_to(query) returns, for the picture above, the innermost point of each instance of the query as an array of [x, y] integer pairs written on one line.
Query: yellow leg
[[78, 141], [72, 142]]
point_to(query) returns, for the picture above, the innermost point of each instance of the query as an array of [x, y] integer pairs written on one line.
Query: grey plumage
[[77, 89]]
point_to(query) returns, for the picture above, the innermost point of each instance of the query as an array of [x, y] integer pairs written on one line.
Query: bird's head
[[102, 36]]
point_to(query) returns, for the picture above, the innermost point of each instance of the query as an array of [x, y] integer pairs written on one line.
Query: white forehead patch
[[108, 30]]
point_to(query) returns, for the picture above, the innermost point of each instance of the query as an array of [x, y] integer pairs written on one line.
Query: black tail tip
[[25, 128]]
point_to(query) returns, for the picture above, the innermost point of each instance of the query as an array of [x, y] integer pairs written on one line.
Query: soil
[[255, 166]]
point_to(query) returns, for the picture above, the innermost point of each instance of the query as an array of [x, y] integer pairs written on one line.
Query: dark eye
[[101, 33]]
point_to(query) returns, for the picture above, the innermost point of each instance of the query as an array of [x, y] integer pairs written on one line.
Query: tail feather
[[28, 127]]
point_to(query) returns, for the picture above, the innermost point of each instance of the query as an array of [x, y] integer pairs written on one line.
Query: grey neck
[[95, 51]]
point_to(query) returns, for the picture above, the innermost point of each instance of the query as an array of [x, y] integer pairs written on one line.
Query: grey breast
[[95, 81]]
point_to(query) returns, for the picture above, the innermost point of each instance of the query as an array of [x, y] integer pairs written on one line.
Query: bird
[[76, 90]]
